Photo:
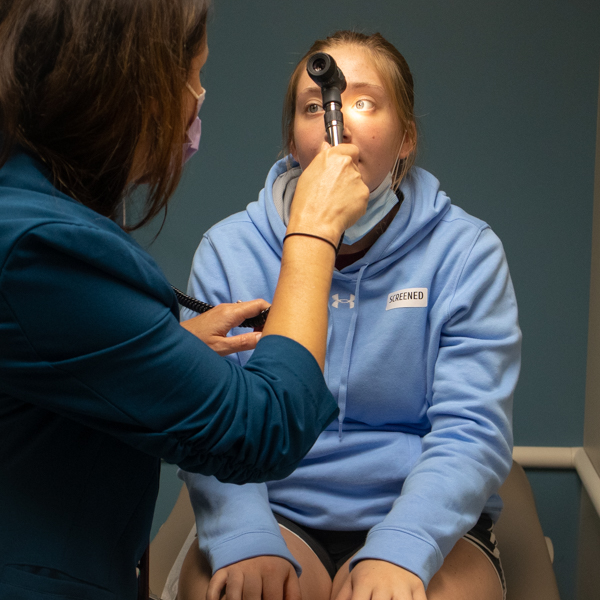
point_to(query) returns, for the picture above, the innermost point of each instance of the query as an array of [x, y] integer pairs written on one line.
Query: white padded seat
[[524, 551]]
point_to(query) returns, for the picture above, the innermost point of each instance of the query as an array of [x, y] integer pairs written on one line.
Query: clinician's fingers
[[330, 195], [214, 325], [237, 343], [350, 150], [240, 311]]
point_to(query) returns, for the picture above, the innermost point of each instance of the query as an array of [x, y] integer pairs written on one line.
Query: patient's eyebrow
[[310, 91], [314, 90], [364, 84]]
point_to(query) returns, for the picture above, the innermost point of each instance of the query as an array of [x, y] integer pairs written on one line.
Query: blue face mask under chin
[[381, 200]]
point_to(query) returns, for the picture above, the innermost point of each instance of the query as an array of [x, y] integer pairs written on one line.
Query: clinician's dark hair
[[83, 81]]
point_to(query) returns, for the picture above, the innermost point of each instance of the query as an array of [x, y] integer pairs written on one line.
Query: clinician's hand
[[213, 326], [330, 195], [260, 578], [381, 580]]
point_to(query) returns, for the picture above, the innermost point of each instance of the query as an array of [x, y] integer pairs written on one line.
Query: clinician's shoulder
[[55, 220], [50, 230], [31, 206]]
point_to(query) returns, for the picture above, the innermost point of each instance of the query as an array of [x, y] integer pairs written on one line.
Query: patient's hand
[[260, 578], [212, 326], [381, 580]]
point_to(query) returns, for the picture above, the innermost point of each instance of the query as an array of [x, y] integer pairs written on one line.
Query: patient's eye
[[313, 108], [363, 104]]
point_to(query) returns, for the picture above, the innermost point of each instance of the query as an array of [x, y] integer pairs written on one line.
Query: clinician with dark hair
[[98, 380]]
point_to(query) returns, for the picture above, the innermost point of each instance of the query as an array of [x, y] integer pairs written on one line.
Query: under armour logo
[[337, 301]]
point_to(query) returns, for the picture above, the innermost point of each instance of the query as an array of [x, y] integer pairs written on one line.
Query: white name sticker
[[407, 298]]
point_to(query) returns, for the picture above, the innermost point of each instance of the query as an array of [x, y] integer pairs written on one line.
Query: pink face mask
[[194, 131]]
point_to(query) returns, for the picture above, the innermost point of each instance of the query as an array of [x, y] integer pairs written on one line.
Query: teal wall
[[506, 95]]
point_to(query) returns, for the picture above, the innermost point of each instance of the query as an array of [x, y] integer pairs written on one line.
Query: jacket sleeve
[[91, 332], [467, 454], [234, 522]]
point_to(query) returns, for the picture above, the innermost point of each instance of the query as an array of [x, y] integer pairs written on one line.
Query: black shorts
[[334, 548]]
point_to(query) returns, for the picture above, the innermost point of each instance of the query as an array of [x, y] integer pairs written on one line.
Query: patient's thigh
[[315, 583], [195, 575], [466, 573]]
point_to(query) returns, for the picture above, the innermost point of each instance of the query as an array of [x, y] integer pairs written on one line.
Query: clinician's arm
[[90, 332], [330, 196]]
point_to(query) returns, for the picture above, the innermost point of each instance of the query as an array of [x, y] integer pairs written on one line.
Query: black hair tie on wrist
[[317, 237]]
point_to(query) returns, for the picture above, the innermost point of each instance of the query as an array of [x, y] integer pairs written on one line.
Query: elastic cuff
[[403, 549], [250, 545]]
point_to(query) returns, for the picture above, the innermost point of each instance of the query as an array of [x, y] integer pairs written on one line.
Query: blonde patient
[[397, 498]]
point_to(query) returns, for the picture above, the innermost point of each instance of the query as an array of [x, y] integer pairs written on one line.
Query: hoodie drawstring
[[348, 354], [329, 331]]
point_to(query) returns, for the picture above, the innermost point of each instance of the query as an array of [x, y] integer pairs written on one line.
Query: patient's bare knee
[[466, 573]]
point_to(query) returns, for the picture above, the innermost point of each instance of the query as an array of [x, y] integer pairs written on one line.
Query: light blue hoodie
[[423, 357]]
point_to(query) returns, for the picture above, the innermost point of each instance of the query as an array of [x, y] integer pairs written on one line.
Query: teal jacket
[[98, 381]]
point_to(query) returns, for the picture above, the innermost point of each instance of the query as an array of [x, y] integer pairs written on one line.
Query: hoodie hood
[[424, 205]]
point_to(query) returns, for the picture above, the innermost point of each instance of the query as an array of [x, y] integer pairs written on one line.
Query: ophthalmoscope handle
[[323, 70]]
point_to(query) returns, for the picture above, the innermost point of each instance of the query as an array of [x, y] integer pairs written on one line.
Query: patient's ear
[[293, 150], [409, 142]]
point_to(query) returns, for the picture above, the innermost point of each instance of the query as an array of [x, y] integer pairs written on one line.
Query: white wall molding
[[545, 457], [555, 457]]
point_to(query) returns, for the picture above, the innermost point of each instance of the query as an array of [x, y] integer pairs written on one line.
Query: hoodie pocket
[[29, 582]]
